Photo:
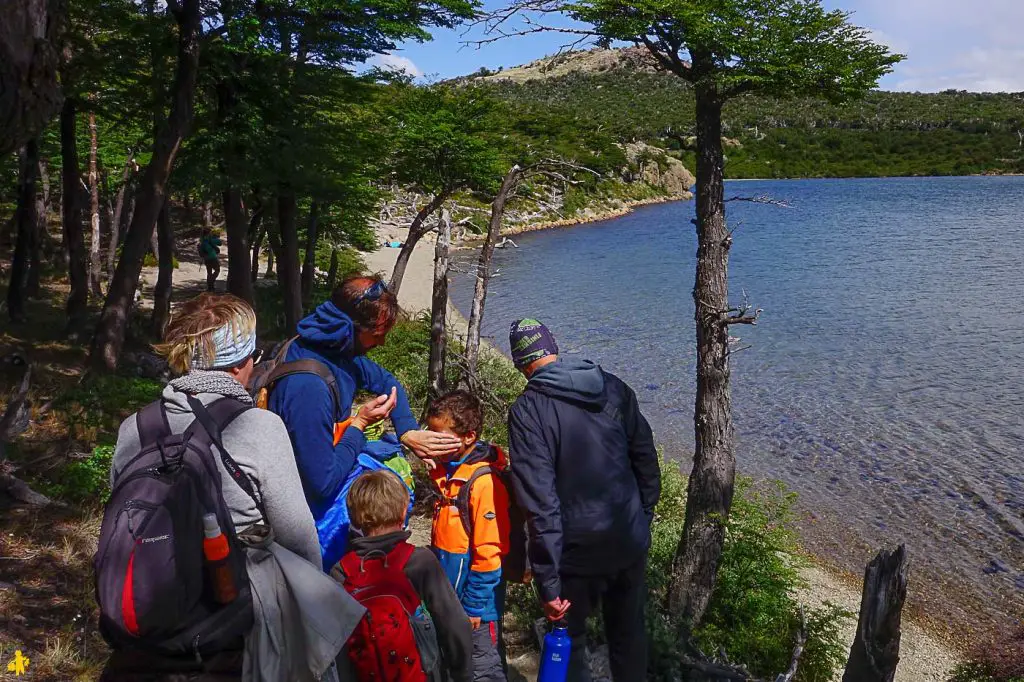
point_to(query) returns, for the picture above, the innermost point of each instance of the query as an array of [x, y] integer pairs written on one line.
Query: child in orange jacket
[[471, 526]]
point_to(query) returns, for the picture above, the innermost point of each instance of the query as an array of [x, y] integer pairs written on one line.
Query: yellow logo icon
[[19, 664]]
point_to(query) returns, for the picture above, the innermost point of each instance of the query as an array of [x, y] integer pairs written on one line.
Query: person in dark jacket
[[339, 333], [585, 471]]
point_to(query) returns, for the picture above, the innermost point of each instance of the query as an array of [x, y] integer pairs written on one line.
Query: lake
[[884, 382]]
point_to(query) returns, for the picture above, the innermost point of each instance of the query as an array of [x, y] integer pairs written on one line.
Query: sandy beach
[[923, 656]]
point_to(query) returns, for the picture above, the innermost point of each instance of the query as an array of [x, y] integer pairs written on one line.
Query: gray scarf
[[212, 381]]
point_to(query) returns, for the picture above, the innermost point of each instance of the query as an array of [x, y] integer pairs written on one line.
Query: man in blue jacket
[[585, 471], [339, 333]]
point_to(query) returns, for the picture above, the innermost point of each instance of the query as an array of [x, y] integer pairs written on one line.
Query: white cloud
[[394, 62]]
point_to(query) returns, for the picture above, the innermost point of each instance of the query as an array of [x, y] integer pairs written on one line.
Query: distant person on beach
[[585, 471], [315, 399], [209, 249]]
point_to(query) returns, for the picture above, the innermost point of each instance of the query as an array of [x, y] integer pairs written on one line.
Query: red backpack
[[385, 646]]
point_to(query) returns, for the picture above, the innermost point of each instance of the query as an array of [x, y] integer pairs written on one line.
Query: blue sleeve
[[478, 595], [533, 479], [377, 379], [305, 404]]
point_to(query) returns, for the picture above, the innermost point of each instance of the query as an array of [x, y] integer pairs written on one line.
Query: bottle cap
[[210, 526]]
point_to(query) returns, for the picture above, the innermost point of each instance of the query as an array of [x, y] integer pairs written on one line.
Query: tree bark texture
[[876, 647], [165, 274], [416, 232], [711, 481], [39, 235], [439, 309], [25, 224], [117, 219], [236, 225], [483, 272], [309, 262], [74, 237], [288, 262], [95, 268], [113, 324], [30, 95]]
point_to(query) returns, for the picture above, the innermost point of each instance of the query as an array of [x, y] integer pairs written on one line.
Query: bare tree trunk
[[35, 261], [116, 219], [74, 238], [439, 309], [257, 246], [483, 273], [165, 274], [876, 648], [94, 212], [711, 481], [275, 248], [25, 219], [113, 323], [332, 273], [288, 263], [30, 96], [416, 232], [236, 225], [309, 262]]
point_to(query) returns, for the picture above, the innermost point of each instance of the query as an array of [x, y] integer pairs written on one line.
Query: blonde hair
[[377, 499], [190, 334]]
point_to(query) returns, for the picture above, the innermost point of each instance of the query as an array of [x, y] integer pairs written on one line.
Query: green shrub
[[754, 614], [86, 480], [150, 261], [97, 406]]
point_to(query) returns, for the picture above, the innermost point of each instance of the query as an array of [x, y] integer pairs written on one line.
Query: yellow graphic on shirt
[[19, 664]]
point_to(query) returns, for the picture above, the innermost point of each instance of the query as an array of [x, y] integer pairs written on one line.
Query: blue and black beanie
[[529, 341]]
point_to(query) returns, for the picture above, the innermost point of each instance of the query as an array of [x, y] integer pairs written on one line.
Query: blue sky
[[976, 45]]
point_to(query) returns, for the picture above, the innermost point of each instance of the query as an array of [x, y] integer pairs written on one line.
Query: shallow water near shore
[[884, 382]]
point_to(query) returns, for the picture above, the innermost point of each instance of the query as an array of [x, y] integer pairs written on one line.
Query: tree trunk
[[110, 331], [30, 95], [711, 482], [275, 248], [332, 273], [74, 238], [35, 261], [257, 246], [94, 212], [25, 220], [483, 273], [876, 647], [288, 261], [439, 309], [236, 225], [309, 263], [416, 232], [116, 219], [165, 274]]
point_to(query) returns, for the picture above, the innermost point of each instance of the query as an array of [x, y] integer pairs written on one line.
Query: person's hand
[[556, 610], [527, 577], [475, 622], [373, 411], [425, 444]]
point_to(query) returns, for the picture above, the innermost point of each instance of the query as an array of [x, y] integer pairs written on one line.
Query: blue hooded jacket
[[304, 403]]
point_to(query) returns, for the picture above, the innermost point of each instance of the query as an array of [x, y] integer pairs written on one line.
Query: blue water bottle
[[554, 659]]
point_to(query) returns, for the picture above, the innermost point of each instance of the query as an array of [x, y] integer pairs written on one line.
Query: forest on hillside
[[884, 134]]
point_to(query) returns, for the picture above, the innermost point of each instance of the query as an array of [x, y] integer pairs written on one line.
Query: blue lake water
[[884, 382]]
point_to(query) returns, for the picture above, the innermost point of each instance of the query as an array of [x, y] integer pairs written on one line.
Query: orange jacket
[[473, 565]]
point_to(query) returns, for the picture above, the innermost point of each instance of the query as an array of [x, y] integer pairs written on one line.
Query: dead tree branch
[[762, 199], [798, 650]]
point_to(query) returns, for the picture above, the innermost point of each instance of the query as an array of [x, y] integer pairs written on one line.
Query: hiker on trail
[[471, 528], [585, 471], [300, 618], [209, 250], [315, 407], [382, 568]]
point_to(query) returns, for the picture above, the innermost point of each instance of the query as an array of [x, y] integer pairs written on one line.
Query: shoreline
[[927, 652]]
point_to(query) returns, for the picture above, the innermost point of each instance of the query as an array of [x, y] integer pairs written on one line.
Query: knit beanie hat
[[530, 341]]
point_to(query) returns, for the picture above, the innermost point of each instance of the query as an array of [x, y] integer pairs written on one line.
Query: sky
[[976, 45]]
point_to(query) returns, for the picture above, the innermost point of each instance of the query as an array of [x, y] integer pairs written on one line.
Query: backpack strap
[[354, 566], [305, 366], [462, 499], [152, 424], [213, 420]]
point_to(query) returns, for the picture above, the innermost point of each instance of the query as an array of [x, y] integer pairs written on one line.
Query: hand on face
[[431, 444]]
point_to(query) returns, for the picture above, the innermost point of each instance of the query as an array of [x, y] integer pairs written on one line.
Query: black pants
[[621, 596], [212, 271]]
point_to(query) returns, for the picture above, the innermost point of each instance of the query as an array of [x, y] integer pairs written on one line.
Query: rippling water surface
[[884, 382]]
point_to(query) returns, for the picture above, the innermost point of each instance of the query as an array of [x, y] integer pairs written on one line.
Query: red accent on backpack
[[131, 623], [383, 646]]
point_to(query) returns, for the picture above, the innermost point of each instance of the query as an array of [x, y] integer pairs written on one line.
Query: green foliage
[[754, 612], [150, 261], [86, 480], [99, 404]]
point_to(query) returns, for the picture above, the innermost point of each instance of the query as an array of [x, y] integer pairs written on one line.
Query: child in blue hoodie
[[327, 442]]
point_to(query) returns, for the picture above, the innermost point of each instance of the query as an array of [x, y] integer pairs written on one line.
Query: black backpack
[[151, 581]]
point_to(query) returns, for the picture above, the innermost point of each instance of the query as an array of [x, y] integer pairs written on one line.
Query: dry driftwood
[[13, 423], [876, 648]]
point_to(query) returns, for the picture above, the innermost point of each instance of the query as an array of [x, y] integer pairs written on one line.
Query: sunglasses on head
[[372, 293]]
